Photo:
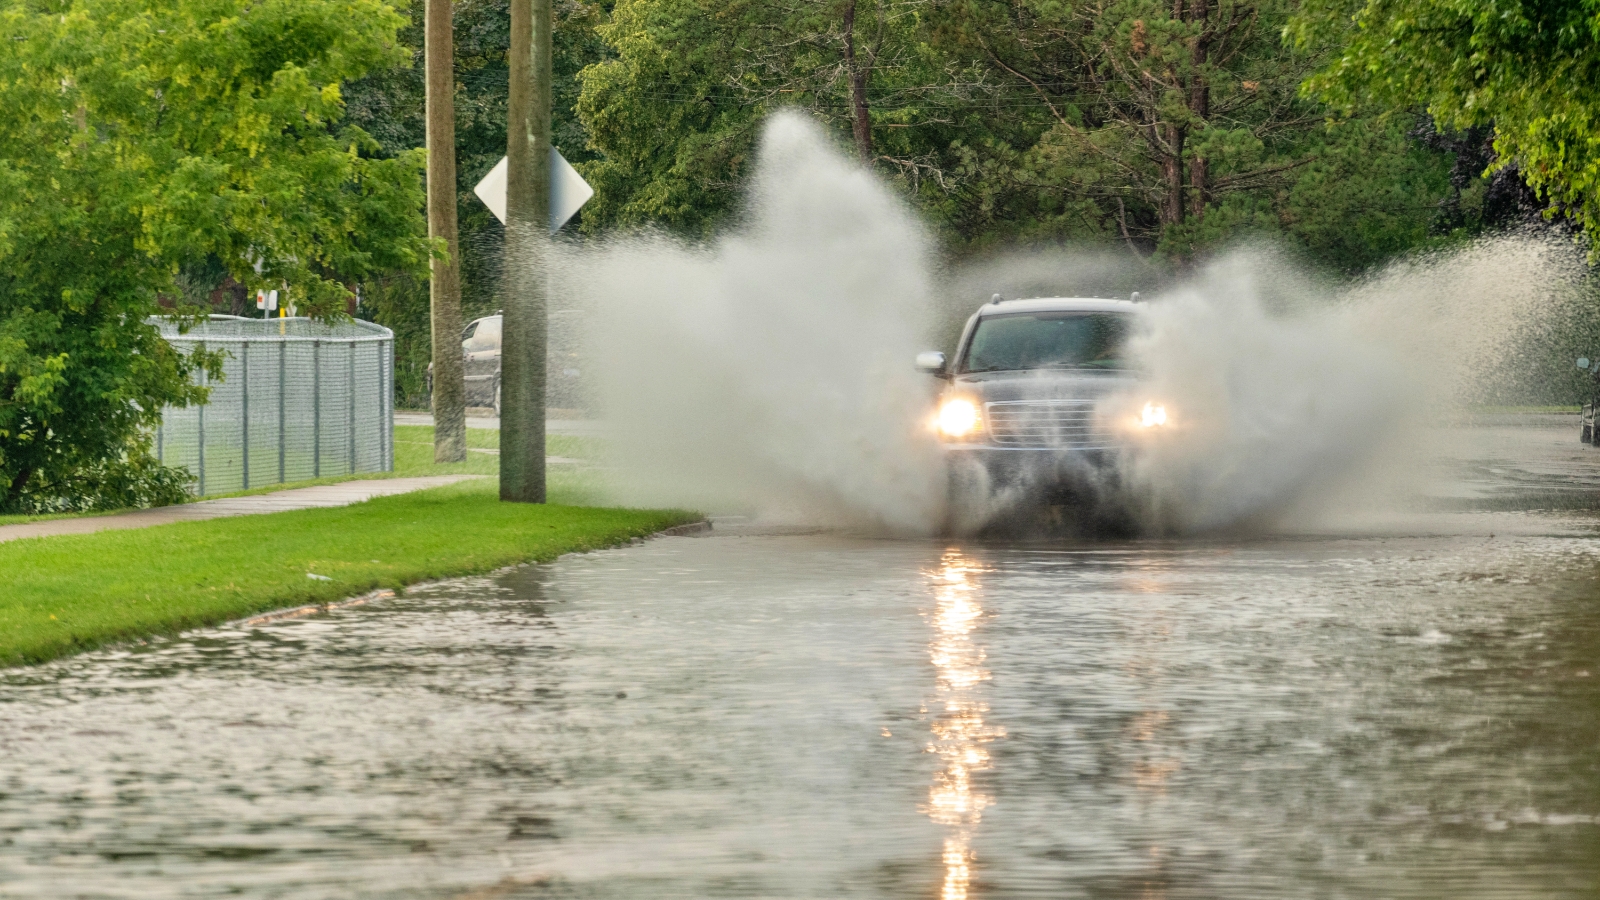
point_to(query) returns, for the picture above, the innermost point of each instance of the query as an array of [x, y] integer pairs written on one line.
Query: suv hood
[[1043, 384]]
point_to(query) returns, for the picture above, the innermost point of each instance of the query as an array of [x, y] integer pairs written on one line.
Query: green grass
[[413, 456], [45, 517], [54, 601]]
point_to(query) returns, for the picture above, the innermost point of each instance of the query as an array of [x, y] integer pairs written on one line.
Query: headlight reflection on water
[[959, 729]]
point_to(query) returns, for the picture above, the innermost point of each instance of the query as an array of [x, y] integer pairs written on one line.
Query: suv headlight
[[1153, 415], [958, 417]]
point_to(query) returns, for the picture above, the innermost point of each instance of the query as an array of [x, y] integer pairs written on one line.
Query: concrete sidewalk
[[320, 496], [576, 427]]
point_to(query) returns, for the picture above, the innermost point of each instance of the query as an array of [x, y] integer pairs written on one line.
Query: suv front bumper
[[1055, 475]]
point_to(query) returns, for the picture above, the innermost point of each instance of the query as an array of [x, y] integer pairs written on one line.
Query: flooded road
[[1353, 715]]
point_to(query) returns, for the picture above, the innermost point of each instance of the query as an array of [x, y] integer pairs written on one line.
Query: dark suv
[[1039, 400]]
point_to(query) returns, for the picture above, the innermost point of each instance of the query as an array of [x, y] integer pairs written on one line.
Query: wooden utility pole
[[527, 248], [449, 392]]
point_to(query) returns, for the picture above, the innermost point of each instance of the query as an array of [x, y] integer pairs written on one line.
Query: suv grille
[[1047, 423]]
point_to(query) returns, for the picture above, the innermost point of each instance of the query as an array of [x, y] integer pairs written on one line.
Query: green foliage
[[143, 138], [1167, 130], [129, 481], [1532, 69], [1174, 129], [673, 111], [1368, 193], [673, 145]]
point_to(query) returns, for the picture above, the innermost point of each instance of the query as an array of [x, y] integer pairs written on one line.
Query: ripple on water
[[817, 716]]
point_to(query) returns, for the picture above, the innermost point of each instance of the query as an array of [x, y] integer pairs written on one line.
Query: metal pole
[[383, 440], [283, 381], [350, 353], [200, 415], [316, 409], [383, 407], [388, 398], [244, 420]]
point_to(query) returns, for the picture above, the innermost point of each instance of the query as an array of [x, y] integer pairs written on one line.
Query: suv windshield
[[1049, 340]]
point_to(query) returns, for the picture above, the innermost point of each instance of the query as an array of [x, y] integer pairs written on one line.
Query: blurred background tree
[[1168, 129], [673, 109], [1522, 76]]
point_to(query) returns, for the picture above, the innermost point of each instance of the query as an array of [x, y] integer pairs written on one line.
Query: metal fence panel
[[298, 400]]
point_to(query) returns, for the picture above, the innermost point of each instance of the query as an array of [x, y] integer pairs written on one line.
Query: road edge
[[688, 529]]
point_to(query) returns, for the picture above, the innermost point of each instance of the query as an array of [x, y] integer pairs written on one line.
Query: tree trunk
[[1200, 107], [15, 488], [444, 288], [861, 123], [526, 323], [1172, 175]]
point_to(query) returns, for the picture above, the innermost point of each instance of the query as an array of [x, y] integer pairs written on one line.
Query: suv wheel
[[969, 500]]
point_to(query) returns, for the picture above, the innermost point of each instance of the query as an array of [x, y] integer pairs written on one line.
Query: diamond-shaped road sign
[[568, 191]]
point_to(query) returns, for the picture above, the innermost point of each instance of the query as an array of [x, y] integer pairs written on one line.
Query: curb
[[298, 611], [689, 529], [686, 530]]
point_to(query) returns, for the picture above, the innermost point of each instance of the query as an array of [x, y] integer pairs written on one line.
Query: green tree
[[1369, 191], [141, 138], [1531, 69], [1172, 127], [1168, 128], [672, 111]]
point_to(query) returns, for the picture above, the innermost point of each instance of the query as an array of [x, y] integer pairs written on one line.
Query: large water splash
[[769, 371], [1299, 404]]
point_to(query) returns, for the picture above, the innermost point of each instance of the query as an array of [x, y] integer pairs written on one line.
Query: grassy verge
[[413, 456], [45, 517], [173, 577]]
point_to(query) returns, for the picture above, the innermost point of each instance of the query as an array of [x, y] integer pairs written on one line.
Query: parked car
[[1026, 415], [480, 363], [481, 356]]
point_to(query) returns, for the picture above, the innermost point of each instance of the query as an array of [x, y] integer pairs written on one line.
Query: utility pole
[[444, 288], [527, 248]]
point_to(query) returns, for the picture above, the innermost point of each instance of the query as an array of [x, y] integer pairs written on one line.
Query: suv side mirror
[[930, 361]]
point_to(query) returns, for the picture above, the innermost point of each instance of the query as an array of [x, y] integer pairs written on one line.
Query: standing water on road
[[825, 716]]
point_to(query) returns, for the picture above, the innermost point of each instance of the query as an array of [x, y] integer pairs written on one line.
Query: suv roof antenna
[[996, 298], [1135, 297]]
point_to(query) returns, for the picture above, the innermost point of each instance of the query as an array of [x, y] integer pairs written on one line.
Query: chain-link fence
[[299, 399]]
